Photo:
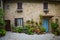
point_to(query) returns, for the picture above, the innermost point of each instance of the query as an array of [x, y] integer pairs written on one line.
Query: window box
[[46, 10], [19, 10], [19, 7]]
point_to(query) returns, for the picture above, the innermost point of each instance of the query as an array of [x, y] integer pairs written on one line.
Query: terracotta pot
[[37, 30]]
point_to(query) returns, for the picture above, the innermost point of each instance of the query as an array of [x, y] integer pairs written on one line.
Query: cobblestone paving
[[56, 38], [23, 36]]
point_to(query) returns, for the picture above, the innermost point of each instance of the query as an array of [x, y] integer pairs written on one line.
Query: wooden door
[[46, 24], [7, 25]]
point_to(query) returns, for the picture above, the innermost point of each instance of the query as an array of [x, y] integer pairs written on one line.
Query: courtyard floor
[[23, 36]]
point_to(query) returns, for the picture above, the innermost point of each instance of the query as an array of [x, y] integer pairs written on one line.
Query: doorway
[[7, 25], [45, 24]]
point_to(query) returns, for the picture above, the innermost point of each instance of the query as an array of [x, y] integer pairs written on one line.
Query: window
[[19, 5], [19, 22], [45, 5]]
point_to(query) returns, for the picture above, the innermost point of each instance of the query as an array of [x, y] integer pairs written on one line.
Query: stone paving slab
[[23, 36], [56, 38]]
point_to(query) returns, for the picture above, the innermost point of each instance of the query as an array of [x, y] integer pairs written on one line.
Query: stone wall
[[30, 11]]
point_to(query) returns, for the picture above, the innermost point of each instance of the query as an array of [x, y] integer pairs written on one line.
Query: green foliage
[[34, 27], [37, 24], [42, 29], [55, 28], [40, 16], [58, 31], [27, 27], [29, 30], [32, 21], [13, 29], [19, 29], [2, 22], [40, 21], [28, 21], [2, 32], [1, 13], [54, 25], [55, 33]]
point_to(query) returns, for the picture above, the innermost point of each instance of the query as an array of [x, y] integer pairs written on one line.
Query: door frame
[[49, 17]]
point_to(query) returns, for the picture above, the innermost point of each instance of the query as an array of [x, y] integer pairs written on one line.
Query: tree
[[2, 22]]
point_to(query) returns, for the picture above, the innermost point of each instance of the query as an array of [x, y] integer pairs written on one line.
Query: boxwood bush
[[2, 32]]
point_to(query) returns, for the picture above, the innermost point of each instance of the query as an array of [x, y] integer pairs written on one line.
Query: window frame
[[16, 20], [45, 5], [19, 5]]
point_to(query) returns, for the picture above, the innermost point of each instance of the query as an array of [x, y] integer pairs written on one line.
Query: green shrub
[[2, 22], [31, 29], [28, 29], [54, 25], [42, 29], [28, 21], [29, 32], [58, 31], [19, 29], [55, 29], [55, 33], [13, 28], [2, 32]]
